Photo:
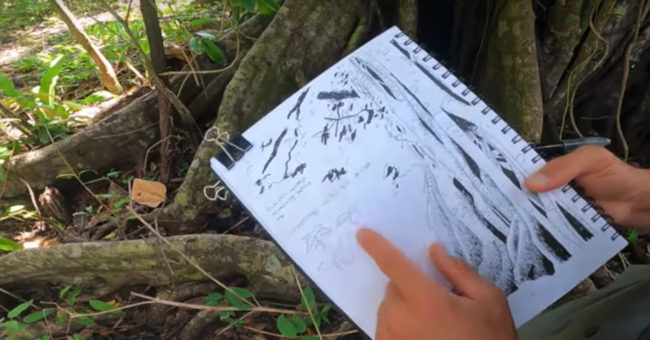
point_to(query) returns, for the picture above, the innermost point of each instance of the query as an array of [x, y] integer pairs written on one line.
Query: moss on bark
[[510, 78]]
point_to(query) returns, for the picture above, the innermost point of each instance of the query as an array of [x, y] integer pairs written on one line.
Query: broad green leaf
[[13, 325], [267, 7], [309, 337], [37, 316], [214, 52], [48, 82], [7, 86], [236, 301], [78, 337], [286, 327], [299, 323], [213, 299], [102, 306], [9, 245], [195, 45], [19, 309], [248, 5], [84, 321], [308, 299]]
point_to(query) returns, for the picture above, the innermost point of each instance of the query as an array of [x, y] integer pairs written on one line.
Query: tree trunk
[[510, 80], [157, 55], [305, 37], [106, 73]]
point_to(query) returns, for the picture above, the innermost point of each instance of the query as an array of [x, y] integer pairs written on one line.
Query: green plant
[[49, 114], [203, 43]]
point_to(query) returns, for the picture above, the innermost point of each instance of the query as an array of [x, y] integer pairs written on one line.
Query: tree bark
[[108, 266], [157, 55], [305, 38], [511, 81], [106, 72]]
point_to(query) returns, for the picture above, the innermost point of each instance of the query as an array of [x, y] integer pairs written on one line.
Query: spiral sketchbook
[[390, 139]]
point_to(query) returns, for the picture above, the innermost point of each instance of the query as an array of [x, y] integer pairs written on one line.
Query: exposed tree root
[[107, 266]]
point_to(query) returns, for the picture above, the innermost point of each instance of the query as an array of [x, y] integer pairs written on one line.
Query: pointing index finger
[[404, 274]]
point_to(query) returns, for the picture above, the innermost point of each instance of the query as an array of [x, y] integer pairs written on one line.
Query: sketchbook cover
[[388, 138]]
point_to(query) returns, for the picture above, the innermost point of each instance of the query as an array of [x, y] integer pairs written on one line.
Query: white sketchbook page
[[387, 138]]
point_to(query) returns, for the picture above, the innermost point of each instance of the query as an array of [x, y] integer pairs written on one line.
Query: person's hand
[[622, 190], [416, 307]]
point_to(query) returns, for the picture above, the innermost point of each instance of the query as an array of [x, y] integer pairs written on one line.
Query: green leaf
[[119, 204], [632, 236], [78, 337], [19, 309], [9, 245], [236, 301], [37, 316], [195, 45], [248, 5], [72, 297], [299, 323], [84, 321], [7, 86], [128, 179], [309, 337], [102, 306], [213, 299], [286, 327], [214, 52], [113, 174], [267, 7], [206, 34], [51, 76], [103, 195], [66, 288], [13, 325], [308, 299], [322, 315], [16, 208]]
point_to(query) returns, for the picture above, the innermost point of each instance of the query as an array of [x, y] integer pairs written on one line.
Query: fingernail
[[538, 178]]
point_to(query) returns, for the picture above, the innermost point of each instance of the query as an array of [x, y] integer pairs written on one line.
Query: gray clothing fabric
[[619, 311]]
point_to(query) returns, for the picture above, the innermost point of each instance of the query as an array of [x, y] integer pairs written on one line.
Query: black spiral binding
[[576, 192]]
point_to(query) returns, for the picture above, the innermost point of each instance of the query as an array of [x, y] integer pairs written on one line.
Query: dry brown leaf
[[149, 193]]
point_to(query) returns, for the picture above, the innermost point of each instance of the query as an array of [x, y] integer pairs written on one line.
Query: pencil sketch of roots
[[466, 209]]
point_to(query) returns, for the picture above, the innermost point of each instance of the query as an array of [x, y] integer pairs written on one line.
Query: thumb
[[461, 275], [560, 171]]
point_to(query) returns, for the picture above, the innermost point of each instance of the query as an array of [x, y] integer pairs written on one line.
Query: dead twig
[[626, 74]]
